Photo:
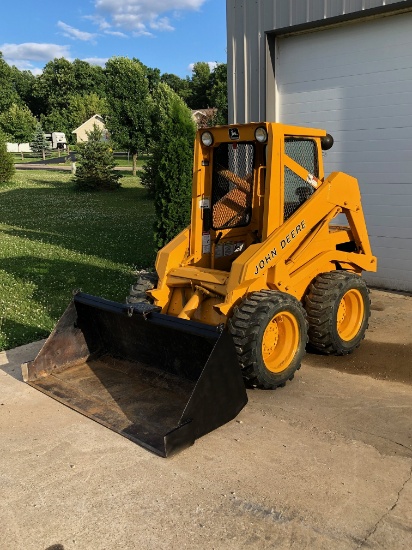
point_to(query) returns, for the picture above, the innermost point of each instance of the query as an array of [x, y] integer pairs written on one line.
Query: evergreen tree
[[95, 164], [6, 161], [39, 143], [171, 166], [161, 98]]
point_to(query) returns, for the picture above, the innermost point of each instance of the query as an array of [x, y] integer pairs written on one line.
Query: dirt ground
[[386, 352], [324, 463]]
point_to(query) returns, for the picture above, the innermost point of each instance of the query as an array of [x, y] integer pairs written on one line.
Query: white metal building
[[345, 66]]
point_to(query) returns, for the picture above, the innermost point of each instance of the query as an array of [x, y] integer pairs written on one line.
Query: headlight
[[207, 139], [261, 135]]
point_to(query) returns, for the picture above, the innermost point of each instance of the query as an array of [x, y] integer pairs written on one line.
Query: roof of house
[[98, 118], [204, 112]]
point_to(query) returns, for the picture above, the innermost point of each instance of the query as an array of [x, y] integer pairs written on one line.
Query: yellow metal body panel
[[270, 252]]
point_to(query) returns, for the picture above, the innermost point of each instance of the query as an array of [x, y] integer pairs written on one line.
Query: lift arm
[[279, 253]]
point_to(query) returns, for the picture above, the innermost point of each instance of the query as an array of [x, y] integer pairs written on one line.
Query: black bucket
[[160, 381]]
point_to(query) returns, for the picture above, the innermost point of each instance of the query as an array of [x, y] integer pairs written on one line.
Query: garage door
[[355, 81]]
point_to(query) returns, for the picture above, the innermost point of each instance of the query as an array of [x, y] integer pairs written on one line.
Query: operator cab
[[238, 210]]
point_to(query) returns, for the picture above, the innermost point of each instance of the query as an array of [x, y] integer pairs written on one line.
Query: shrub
[[6, 162], [168, 173], [95, 164]]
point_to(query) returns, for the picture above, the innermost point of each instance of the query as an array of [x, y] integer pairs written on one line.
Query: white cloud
[[116, 33], [75, 34], [25, 56], [24, 65], [161, 24], [99, 21], [139, 15], [101, 61], [33, 51]]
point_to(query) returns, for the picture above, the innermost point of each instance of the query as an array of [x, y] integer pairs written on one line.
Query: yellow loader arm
[[286, 260]]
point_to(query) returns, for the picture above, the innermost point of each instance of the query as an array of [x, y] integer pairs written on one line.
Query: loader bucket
[[160, 381]]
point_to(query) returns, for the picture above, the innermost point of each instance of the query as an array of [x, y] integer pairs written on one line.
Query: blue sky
[[167, 34]]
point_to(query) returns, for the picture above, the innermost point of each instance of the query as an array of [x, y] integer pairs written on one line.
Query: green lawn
[[123, 161], [120, 160], [54, 239]]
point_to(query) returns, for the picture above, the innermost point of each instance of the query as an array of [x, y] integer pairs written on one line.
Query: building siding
[[356, 82], [82, 131], [358, 89], [248, 21]]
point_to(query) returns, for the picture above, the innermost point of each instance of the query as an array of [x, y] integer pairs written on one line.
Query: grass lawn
[[54, 239], [123, 161]]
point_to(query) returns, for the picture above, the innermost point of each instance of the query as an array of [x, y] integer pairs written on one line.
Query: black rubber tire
[[248, 325], [322, 305], [147, 281]]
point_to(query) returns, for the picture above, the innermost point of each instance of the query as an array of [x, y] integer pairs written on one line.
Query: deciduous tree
[[61, 80], [57, 120], [53, 87], [217, 93], [179, 85], [199, 86], [8, 94], [82, 107], [18, 124], [129, 104], [23, 83]]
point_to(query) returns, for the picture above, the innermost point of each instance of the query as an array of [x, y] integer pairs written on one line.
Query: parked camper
[[56, 140]]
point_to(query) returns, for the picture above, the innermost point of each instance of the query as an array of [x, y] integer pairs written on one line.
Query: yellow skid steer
[[234, 298]]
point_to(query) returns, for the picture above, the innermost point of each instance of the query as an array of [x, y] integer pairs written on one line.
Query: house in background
[[344, 66], [81, 131], [204, 117]]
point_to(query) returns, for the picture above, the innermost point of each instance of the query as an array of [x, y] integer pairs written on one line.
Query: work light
[[207, 139], [261, 134]]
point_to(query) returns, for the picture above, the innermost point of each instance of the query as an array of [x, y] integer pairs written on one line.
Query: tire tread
[[245, 324]]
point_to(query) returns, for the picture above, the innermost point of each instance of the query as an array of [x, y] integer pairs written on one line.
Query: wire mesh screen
[[297, 190], [232, 185]]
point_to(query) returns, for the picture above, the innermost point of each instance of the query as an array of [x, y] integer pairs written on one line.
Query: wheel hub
[[271, 338], [350, 314], [341, 312], [280, 341]]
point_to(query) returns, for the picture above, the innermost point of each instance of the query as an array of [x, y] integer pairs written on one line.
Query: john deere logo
[[234, 133]]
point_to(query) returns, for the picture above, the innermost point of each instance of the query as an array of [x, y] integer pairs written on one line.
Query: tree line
[[66, 94], [143, 111]]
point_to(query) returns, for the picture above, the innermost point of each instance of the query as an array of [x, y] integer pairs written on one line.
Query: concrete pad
[[325, 462]]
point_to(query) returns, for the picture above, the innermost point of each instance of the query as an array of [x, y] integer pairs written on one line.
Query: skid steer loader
[[235, 297]]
